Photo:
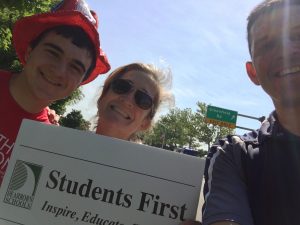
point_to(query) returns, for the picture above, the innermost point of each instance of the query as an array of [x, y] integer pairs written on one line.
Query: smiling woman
[[130, 98]]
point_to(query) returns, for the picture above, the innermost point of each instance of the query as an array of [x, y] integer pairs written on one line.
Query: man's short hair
[[265, 7]]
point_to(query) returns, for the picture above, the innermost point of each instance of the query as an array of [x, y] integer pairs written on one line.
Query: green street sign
[[221, 117]]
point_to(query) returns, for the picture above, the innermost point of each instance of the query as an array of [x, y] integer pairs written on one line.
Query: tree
[[176, 129], [75, 120], [60, 106], [10, 11], [184, 128]]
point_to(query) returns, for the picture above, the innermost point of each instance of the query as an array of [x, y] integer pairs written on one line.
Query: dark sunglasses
[[142, 99]]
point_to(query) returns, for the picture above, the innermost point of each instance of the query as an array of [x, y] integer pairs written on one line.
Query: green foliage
[[183, 127], [60, 106], [10, 12], [75, 120], [173, 130]]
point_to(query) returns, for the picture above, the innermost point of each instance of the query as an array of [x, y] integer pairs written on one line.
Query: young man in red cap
[[59, 50]]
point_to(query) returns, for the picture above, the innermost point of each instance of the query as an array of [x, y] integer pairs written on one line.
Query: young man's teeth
[[290, 70]]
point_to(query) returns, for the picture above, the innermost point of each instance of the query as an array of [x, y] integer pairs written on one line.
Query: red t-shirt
[[11, 116]]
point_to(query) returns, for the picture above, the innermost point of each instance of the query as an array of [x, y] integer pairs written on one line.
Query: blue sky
[[202, 41]]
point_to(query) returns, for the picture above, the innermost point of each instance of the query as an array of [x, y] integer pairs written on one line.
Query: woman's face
[[119, 114]]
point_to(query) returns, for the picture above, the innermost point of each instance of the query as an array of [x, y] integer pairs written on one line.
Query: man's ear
[[27, 53], [145, 124], [252, 73]]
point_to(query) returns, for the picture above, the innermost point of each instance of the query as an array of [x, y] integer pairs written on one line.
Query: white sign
[[63, 176]]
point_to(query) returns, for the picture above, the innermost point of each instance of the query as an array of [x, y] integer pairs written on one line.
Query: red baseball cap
[[67, 12]]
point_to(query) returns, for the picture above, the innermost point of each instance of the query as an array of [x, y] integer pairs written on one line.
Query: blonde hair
[[161, 77]]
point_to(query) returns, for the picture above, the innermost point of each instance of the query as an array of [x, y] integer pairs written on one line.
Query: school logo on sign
[[23, 184]]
